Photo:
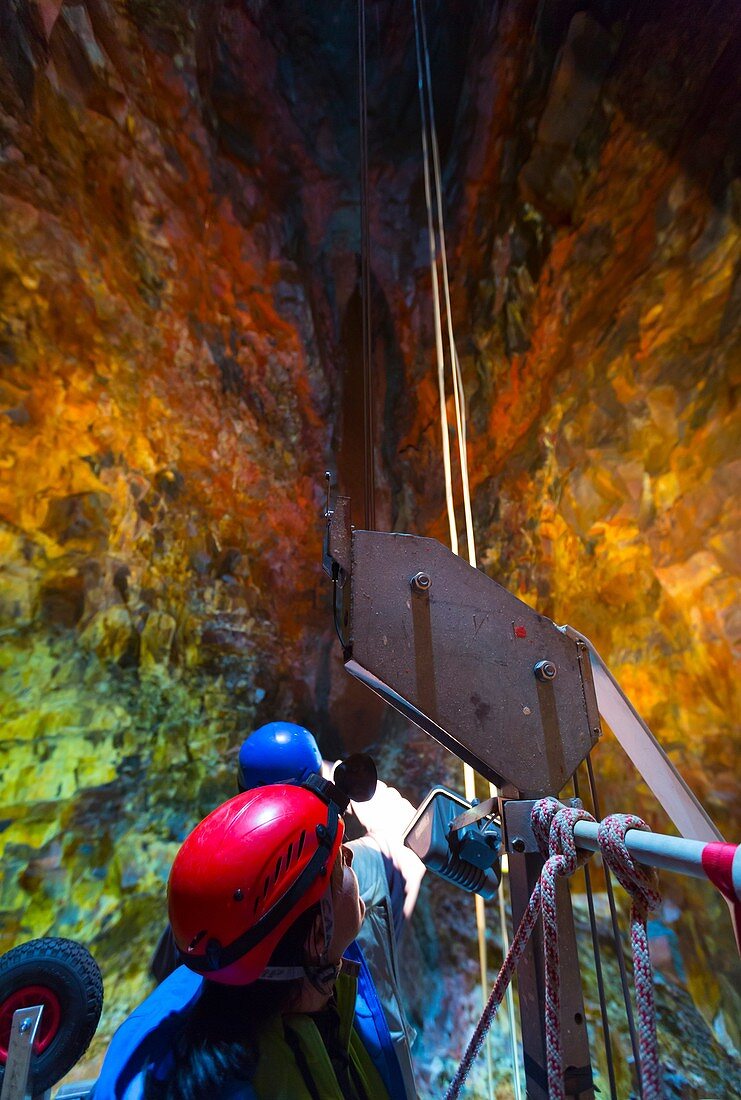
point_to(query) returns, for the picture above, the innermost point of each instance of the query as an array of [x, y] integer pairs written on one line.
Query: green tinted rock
[[156, 641], [110, 634]]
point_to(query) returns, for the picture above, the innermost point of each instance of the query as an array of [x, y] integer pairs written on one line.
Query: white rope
[[461, 432], [436, 303], [459, 396]]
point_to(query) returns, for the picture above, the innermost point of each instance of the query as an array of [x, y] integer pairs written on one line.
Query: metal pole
[[670, 853]]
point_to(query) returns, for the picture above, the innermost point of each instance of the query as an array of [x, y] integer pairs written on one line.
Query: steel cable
[[428, 121], [616, 936], [435, 295], [365, 281], [598, 969]]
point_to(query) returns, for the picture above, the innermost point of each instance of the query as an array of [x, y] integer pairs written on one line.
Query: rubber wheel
[[64, 977]]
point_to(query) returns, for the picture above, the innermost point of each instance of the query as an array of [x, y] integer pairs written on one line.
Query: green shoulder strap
[[278, 1077]]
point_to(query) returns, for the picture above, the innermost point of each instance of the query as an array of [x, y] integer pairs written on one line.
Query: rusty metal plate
[[337, 538], [458, 658]]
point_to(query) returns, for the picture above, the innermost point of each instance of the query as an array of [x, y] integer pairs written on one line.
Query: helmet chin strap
[[323, 974]]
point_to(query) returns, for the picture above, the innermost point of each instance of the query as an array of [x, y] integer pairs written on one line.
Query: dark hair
[[220, 1041]]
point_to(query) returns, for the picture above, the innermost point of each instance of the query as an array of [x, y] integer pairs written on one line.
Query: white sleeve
[[386, 817]]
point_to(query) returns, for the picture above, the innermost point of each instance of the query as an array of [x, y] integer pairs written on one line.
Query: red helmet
[[246, 872]]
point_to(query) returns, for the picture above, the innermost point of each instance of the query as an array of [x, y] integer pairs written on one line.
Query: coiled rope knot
[[553, 825], [642, 883]]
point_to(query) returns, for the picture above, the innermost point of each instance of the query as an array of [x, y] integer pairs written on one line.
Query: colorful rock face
[[179, 363]]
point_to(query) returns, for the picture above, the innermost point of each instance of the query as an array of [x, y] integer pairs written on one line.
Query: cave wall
[[604, 348], [593, 190], [179, 364], [163, 435]]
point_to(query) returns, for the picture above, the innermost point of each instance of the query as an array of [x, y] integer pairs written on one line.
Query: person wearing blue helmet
[[388, 877], [276, 753]]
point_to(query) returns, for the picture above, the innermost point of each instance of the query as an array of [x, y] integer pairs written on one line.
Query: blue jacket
[[145, 1039]]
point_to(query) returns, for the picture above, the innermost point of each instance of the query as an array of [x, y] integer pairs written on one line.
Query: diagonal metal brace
[[644, 750]]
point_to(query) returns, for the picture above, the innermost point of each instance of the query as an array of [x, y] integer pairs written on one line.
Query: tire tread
[[77, 959]]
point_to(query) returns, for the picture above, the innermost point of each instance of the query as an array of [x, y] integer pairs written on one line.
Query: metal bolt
[[518, 844], [421, 582], [25, 1025], [545, 670]]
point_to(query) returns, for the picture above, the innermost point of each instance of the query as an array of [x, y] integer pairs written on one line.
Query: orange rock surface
[[179, 364]]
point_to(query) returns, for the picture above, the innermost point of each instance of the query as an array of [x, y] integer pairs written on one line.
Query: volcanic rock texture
[[179, 352]]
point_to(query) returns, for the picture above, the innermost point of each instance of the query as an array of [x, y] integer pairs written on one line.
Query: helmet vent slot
[[266, 887], [301, 840], [289, 854], [278, 866]]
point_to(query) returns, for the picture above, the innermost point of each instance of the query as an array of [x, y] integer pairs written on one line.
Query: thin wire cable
[[458, 392], [616, 936], [365, 281], [468, 774], [514, 1052], [598, 968], [469, 786], [435, 297], [460, 416], [460, 413]]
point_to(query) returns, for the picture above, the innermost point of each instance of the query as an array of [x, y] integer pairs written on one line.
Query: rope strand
[[642, 883], [428, 117], [598, 967], [365, 281], [459, 398], [435, 296], [461, 431], [553, 826], [616, 935]]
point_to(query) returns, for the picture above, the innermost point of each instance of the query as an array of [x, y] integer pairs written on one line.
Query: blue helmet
[[277, 753]]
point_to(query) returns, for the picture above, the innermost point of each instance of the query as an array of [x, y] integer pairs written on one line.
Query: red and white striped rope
[[642, 883], [553, 825], [504, 977]]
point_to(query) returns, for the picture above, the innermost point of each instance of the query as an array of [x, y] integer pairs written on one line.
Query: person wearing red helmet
[[276, 999], [247, 872], [263, 902], [277, 752]]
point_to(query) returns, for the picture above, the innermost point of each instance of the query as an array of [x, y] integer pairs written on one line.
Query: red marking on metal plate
[[520, 632]]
